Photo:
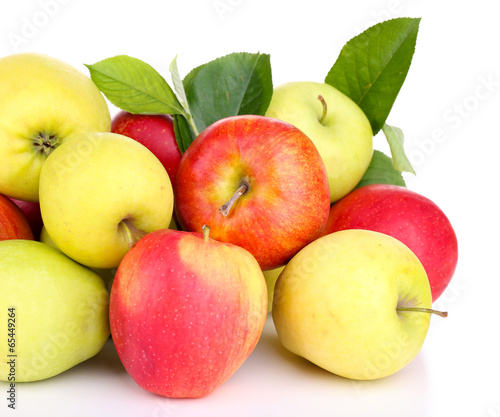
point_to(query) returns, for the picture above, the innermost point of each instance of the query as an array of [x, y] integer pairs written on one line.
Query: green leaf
[[372, 67], [235, 84], [134, 86], [181, 94], [381, 171], [184, 134], [395, 138]]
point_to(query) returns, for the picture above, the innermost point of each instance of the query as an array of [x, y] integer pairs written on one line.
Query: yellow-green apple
[[258, 182], [99, 194], [186, 311], [31, 210], [337, 126], [155, 131], [56, 311], [13, 222], [408, 216], [271, 276], [106, 274], [356, 303], [42, 101]]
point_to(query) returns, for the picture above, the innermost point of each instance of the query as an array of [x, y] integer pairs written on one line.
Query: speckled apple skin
[[186, 313], [408, 216]]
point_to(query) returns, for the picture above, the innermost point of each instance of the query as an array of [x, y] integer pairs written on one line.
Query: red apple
[[259, 183], [155, 132], [13, 222], [409, 217], [31, 209], [186, 311]]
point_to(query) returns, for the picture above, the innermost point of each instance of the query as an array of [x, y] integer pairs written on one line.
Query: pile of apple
[[181, 255]]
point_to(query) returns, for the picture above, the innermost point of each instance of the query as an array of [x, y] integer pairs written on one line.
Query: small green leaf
[[381, 171], [235, 84], [395, 138], [134, 86], [372, 67]]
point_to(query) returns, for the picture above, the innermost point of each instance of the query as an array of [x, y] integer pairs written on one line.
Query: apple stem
[[423, 310], [243, 188], [133, 234], [206, 231], [325, 108]]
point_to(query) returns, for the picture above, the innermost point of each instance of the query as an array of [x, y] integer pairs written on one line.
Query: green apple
[[271, 276], [356, 303], [336, 125], [42, 102], [55, 311], [99, 194], [108, 275]]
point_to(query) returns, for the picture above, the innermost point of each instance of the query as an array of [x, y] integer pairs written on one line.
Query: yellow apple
[[355, 302], [271, 276], [56, 311], [99, 194], [42, 101], [108, 275], [336, 125]]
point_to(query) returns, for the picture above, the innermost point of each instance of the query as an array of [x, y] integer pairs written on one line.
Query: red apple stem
[[423, 310], [239, 192], [325, 108]]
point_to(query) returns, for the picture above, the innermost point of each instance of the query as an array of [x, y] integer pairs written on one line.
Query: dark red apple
[[13, 222], [409, 217], [155, 132], [31, 210]]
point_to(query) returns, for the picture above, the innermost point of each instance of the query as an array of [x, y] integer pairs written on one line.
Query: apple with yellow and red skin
[[13, 222], [259, 183], [155, 132], [31, 210], [186, 311], [408, 216]]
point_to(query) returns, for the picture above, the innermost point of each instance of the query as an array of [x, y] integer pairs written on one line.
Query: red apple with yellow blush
[[259, 183], [186, 311]]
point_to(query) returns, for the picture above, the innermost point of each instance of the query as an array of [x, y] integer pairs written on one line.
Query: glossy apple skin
[[287, 204], [44, 102], [13, 222], [335, 304], [186, 313], [409, 217], [31, 209], [343, 136], [155, 132], [99, 193]]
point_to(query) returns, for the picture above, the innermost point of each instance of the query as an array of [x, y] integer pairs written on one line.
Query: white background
[[453, 87]]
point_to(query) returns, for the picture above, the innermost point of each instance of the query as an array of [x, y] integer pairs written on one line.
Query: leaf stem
[[181, 94], [191, 122]]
